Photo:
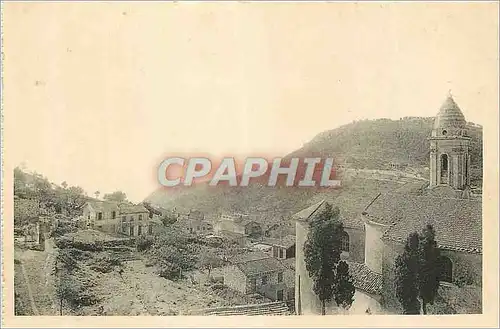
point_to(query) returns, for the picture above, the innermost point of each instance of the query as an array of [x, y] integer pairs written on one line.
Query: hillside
[[367, 144], [373, 144]]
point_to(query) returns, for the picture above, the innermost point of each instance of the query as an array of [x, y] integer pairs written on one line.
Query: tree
[[97, 193], [322, 256], [428, 275], [209, 260], [64, 185], [168, 219], [406, 270], [344, 288], [417, 272], [19, 182], [117, 196]]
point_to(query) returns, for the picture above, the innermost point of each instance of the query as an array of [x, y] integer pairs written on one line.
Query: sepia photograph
[[315, 162]]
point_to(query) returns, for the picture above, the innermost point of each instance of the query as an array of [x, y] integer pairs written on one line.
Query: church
[[381, 228]]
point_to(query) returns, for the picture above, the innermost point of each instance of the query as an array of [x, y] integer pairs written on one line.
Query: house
[[101, 215], [257, 272], [195, 226], [377, 235], [235, 238], [156, 212], [239, 223], [119, 218], [282, 248]]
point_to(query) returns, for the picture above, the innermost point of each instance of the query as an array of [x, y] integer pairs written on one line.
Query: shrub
[[65, 242], [144, 243], [105, 263]]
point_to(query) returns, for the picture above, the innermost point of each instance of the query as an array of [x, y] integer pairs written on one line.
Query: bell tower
[[449, 143]]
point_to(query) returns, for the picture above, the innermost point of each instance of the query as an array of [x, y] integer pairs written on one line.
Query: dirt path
[[34, 309], [36, 267]]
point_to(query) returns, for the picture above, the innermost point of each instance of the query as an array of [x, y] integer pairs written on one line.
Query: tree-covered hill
[[367, 144]]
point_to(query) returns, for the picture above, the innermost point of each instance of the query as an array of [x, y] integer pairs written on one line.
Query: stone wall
[[234, 279]]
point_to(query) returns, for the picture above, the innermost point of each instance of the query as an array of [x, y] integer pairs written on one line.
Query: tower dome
[[449, 148], [449, 120]]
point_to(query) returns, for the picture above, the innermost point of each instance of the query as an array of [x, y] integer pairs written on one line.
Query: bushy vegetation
[[106, 262], [74, 285], [172, 253], [35, 196], [144, 243], [68, 242], [64, 228]]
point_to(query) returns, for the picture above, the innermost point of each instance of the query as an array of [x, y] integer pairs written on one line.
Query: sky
[[97, 94]]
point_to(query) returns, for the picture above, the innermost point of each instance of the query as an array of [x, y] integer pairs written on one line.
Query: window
[[279, 295], [253, 284], [197, 228], [88, 216], [99, 216], [444, 169], [139, 230], [445, 269], [466, 169], [131, 218], [344, 244], [140, 217], [124, 218], [275, 251], [131, 230], [113, 214], [281, 253], [150, 229], [264, 279], [280, 277]]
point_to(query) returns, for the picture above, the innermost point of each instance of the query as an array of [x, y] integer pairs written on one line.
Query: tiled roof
[[103, 206], [231, 235], [457, 222], [449, 115], [132, 209], [248, 256], [285, 242], [365, 279], [259, 266]]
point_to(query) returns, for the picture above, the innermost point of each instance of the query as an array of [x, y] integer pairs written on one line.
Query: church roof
[[450, 115], [457, 222], [306, 214]]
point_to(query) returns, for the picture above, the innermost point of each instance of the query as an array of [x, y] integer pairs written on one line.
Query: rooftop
[[365, 279], [285, 242], [457, 221], [248, 256], [259, 266], [126, 208], [450, 115]]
